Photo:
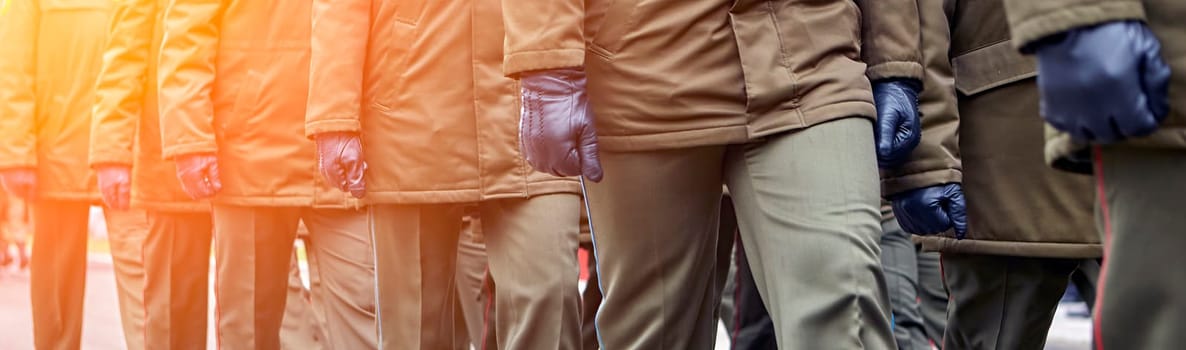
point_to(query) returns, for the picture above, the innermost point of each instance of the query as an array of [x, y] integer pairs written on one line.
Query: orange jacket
[[421, 80], [126, 127], [49, 58], [233, 81]]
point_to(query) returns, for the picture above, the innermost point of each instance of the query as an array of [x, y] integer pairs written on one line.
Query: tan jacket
[[1033, 20], [421, 80], [50, 52], [981, 128], [126, 127], [682, 73], [233, 80]]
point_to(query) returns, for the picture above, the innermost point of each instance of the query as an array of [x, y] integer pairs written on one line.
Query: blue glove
[[932, 210], [1103, 83], [898, 127]]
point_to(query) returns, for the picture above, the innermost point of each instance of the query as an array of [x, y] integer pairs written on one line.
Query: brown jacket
[[684, 73], [50, 51], [1033, 20], [981, 128], [233, 78], [126, 127], [421, 81]]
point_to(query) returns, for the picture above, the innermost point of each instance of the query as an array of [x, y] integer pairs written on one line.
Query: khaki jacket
[[233, 80], [1033, 20], [50, 52], [683, 73], [126, 127], [421, 81], [981, 127]]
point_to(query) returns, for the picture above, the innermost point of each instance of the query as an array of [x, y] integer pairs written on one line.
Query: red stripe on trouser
[[486, 314], [1107, 218]]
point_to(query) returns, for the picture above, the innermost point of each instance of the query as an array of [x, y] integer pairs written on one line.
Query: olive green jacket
[[1032, 20]]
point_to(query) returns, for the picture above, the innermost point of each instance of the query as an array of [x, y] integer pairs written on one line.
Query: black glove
[[898, 126], [339, 155], [556, 132], [1103, 83], [198, 174], [932, 210], [21, 182], [115, 183]]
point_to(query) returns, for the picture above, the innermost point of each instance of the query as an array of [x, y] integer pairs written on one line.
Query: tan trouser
[[531, 246], [58, 272], [1141, 302], [253, 254], [807, 209]]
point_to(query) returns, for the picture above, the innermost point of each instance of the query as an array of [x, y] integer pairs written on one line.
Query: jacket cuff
[[119, 158], [520, 62], [332, 125], [1028, 30], [18, 163], [902, 183], [174, 151], [898, 69]]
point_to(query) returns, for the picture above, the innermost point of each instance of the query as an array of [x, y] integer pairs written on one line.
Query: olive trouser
[[1141, 303], [807, 208], [253, 257], [916, 292], [531, 245], [58, 271]]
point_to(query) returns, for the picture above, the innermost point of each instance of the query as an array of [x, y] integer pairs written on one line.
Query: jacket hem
[[470, 195], [1011, 248], [171, 206]]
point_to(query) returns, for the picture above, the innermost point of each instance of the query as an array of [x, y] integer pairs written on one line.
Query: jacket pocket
[[991, 67], [246, 99], [620, 17], [409, 11]]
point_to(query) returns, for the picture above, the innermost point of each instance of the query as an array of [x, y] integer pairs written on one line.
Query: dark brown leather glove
[[340, 158], [556, 132], [21, 182], [115, 183], [198, 174]]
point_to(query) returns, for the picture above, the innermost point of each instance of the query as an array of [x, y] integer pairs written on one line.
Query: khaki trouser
[[915, 286], [253, 254], [1002, 302], [531, 246], [1142, 301], [58, 271], [474, 287], [807, 209]]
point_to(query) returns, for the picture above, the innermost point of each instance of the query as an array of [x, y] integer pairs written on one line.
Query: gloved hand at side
[[198, 174], [932, 210], [1103, 83], [115, 183], [898, 127], [21, 182], [556, 132], [340, 158]]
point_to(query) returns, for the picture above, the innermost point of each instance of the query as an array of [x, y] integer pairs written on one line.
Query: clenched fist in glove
[[198, 174], [339, 155], [1103, 83], [556, 132], [21, 182], [898, 126], [932, 210], [115, 183]]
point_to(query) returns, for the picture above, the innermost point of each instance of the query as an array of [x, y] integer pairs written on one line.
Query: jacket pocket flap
[[990, 67]]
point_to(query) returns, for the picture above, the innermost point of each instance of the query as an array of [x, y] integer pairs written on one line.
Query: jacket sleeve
[[543, 34], [936, 160], [341, 30], [186, 77], [120, 88], [18, 59], [1031, 20], [890, 39]]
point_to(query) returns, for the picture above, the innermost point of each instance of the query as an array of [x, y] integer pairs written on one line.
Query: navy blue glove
[[898, 127], [932, 210], [1103, 83]]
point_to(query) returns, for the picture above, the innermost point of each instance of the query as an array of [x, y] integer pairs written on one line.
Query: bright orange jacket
[[234, 75], [50, 51]]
